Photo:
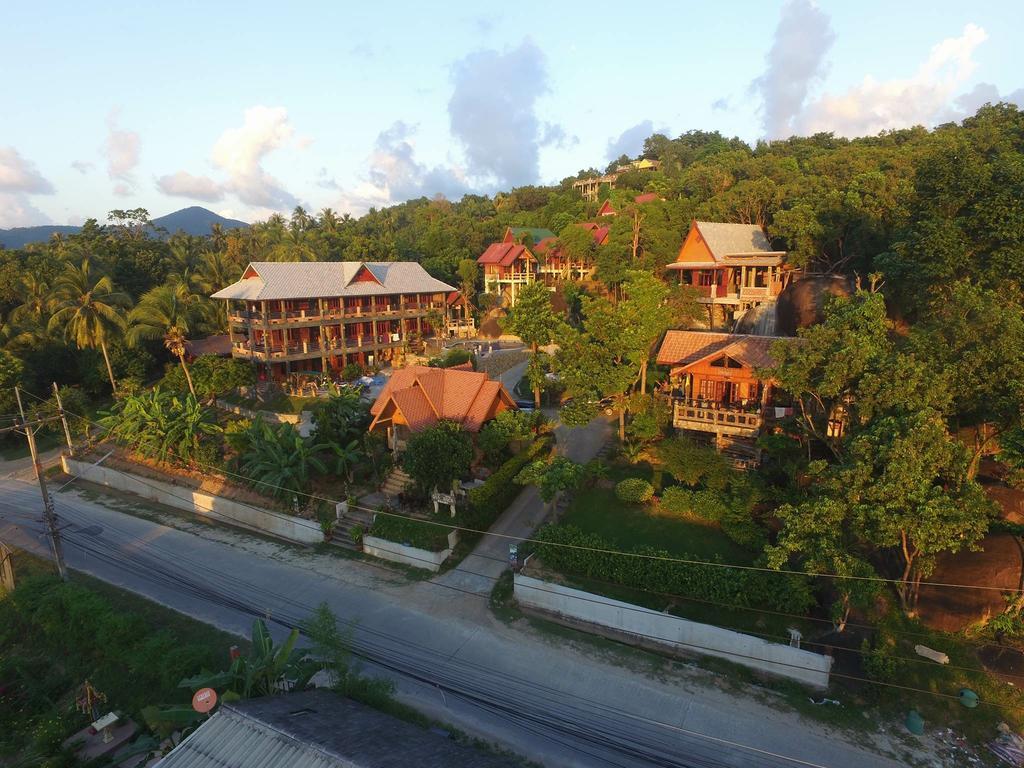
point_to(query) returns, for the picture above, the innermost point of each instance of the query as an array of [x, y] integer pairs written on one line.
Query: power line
[[640, 609], [641, 555]]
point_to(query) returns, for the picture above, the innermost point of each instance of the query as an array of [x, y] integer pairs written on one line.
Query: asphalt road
[[556, 698]]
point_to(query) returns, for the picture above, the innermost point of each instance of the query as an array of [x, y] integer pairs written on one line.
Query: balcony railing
[[335, 313], [313, 348], [755, 292], [732, 417]]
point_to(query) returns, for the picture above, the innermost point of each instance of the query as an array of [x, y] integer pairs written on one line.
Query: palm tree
[[168, 311], [216, 270], [89, 309]]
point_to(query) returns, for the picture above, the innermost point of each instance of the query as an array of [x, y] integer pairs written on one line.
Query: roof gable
[[607, 209], [682, 349], [269, 280], [428, 395]]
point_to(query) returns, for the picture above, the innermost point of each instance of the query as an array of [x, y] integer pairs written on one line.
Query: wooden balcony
[[308, 350], [709, 416], [298, 318]]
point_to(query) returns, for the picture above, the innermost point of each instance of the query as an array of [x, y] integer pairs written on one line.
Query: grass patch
[[16, 446], [57, 635], [502, 601], [596, 510]]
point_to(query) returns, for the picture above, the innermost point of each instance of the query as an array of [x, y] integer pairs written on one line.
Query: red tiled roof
[[502, 253], [544, 245], [647, 197], [428, 395], [681, 349], [600, 234], [606, 209]]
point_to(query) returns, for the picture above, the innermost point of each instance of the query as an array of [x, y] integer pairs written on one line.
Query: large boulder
[[802, 303]]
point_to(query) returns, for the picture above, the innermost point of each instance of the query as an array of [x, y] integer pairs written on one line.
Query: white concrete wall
[[654, 629], [216, 508], [399, 553]]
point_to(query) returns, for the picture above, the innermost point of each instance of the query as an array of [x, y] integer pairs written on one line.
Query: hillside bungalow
[[510, 265], [555, 266], [732, 267], [417, 397], [319, 316], [715, 391]]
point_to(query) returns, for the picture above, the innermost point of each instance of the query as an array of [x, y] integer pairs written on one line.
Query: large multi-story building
[[319, 316], [590, 187], [732, 267]]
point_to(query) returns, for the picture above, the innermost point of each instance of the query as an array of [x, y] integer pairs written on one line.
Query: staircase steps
[[396, 482]]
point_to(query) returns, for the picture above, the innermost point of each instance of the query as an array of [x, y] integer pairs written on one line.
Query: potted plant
[[327, 524]]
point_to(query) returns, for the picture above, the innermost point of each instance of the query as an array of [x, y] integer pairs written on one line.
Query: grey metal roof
[[725, 240], [330, 279], [318, 729]]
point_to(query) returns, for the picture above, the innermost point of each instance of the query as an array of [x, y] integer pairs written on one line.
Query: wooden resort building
[[418, 397], [732, 267], [555, 266], [590, 187], [292, 317], [510, 265], [716, 393]]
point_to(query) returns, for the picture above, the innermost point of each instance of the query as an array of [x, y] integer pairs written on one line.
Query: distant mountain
[[19, 237], [193, 221]]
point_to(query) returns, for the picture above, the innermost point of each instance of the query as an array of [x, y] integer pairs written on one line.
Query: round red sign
[[204, 700]]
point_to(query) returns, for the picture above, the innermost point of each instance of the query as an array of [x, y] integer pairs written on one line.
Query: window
[[725, 362]]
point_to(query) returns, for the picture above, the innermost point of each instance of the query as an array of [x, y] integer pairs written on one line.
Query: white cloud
[[184, 184], [795, 62], [83, 166], [20, 175], [122, 149], [19, 178], [395, 175], [16, 210], [921, 99], [981, 94], [240, 152], [631, 141], [493, 114]]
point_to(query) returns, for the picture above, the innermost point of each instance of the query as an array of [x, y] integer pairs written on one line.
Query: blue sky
[[247, 108]]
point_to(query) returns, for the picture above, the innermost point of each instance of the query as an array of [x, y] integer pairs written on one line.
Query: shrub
[[437, 456], [693, 465], [412, 532], [634, 490], [452, 358], [351, 372], [662, 572], [677, 502], [489, 500]]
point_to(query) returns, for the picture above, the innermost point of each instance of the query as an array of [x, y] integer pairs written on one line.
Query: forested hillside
[[923, 208]]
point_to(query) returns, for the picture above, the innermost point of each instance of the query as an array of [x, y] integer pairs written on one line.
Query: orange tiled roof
[[681, 349], [428, 395], [502, 253]]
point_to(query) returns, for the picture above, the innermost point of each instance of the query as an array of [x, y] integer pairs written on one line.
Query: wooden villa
[[716, 392], [732, 267]]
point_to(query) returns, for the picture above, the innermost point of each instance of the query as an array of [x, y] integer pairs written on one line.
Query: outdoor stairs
[[347, 520], [742, 453], [396, 483]]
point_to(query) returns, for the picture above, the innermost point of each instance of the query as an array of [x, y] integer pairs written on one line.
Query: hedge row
[[422, 534], [487, 502], [730, 586]]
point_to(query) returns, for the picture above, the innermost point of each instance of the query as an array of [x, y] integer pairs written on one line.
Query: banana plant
[[268, 669]]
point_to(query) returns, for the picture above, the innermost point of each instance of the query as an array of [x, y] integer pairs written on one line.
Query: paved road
[[559, 699]]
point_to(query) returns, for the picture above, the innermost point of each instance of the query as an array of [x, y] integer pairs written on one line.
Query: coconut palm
[[166, 312], [89, 310]]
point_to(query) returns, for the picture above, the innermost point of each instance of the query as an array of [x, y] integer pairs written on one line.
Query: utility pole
[[49, 516], [63, 419]]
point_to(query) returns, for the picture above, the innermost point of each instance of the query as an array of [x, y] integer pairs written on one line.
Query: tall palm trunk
[[188, 376], [536, 389], [110, 371]]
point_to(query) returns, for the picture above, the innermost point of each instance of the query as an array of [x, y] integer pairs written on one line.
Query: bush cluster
[[422, 534], [589, 557], [488, 501], [634, 490]]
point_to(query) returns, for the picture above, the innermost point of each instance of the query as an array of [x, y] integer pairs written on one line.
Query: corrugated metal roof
[[318, 729], [330, 279], [724, 240], [684, 348]]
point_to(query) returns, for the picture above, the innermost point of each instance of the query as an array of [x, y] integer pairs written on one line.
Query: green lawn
[[596, 510], [16, 446]]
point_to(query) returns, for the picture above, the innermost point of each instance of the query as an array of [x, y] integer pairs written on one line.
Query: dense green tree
[[168, 312], [88, 309], [534, 321], [437, 456]]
